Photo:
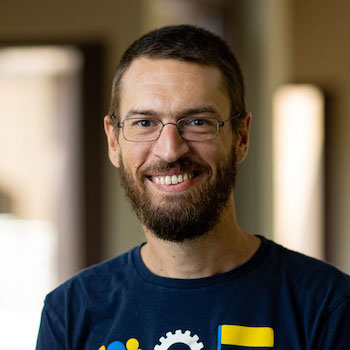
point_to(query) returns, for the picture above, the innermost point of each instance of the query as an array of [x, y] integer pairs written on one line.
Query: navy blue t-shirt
[[279, 299]]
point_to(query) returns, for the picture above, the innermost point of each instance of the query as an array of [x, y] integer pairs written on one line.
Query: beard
[[184, 216]]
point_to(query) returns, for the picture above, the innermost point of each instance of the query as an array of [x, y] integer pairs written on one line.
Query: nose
[[170, 146]]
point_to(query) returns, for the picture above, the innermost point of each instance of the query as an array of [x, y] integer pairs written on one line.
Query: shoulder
[[308, 277], [298, 262], [93, 283]]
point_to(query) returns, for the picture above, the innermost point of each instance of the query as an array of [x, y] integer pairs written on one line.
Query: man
[[177, 128]]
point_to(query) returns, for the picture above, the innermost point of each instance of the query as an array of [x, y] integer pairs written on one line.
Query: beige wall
[[322, 57], [287, 41], [112, 23]]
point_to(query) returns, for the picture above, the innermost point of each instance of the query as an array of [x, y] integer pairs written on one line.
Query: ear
[[242, 141], [112, 139]]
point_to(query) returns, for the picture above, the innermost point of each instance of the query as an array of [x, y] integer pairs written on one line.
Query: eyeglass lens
[[192, 129]]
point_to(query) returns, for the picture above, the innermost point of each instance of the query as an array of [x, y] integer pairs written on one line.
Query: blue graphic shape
[[116, 345], [219, 338]]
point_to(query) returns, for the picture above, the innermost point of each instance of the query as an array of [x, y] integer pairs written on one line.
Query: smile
[[171, 179]]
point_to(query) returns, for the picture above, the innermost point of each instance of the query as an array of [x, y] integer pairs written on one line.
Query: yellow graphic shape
[[247, 336], [132, 344], [102, 348]]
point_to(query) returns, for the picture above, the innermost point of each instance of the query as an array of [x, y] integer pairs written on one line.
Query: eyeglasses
[[190, 128]]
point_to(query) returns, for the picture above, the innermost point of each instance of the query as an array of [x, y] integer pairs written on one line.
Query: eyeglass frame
[[220, 124]]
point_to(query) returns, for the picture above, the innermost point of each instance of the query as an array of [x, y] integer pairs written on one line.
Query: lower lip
[[180, 187]]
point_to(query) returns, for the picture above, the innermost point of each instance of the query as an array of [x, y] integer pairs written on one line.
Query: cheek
[[134, 156], [208, 153], [226, 144], [218, 148]]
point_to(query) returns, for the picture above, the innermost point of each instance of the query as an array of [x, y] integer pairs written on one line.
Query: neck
[[222, 249]]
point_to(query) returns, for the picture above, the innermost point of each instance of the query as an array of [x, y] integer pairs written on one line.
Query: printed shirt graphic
[[131, 344], [248, 337], [276, 297], [245, 336]]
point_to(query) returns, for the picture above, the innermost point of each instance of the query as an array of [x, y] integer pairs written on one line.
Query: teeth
[[172, 180]]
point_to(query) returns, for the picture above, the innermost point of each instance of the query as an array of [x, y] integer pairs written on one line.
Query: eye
[[198, 122], [143, 123], [201, 122]]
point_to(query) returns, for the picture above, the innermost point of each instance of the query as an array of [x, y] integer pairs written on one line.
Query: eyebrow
[[184, 113], [148, 112]]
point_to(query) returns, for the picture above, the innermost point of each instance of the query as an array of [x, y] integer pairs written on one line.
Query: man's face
[[201, 174]]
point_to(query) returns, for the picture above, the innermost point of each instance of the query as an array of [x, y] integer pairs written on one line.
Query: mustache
[[183, 164]]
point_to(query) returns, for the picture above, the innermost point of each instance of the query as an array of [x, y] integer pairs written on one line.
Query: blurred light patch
[[45, 60], [298, 129], [28, 271]]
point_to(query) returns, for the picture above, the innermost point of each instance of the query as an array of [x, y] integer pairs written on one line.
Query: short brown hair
[[185, 43]]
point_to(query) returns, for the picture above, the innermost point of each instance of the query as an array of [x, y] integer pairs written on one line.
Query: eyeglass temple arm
[[234, 117], [118, 124]]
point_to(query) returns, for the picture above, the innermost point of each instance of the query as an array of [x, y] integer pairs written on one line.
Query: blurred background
[[61, 207]]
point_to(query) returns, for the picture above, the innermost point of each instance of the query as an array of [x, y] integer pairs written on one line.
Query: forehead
[[169, 85]]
